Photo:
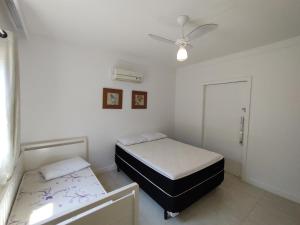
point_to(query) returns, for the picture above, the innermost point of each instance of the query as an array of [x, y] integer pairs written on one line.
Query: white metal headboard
[[37, 154]]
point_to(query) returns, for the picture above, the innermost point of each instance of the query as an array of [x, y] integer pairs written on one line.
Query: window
[[9, 108]]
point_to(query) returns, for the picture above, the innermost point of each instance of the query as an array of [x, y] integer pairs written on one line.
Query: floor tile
[[234, 202]]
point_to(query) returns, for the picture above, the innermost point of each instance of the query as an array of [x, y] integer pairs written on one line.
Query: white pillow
[[63, 167], [154, 136], [132, 140]]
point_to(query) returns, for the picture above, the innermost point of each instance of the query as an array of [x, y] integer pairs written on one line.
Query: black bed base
[[172, 195]]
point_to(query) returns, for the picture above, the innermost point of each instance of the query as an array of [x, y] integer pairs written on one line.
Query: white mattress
[[38, 199], [171, 158]]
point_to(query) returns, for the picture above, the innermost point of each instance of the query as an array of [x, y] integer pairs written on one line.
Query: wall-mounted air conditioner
[[16, 16], [127, 75]]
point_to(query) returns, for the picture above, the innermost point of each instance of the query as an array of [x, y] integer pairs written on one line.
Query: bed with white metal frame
[[119, 207]]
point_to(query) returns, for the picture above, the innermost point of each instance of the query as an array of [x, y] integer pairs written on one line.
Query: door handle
[[242, 124]]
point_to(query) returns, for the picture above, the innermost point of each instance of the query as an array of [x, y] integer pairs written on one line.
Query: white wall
[[61, 96], [273, 160]]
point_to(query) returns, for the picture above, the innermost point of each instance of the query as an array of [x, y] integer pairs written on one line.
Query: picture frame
[[139, 100], [112, 98]]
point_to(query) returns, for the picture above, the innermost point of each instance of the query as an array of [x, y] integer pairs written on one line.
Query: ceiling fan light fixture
[[182, 54]]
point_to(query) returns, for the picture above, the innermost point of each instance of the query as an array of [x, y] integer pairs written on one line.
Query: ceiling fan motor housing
[[181, 42], [182, 20]]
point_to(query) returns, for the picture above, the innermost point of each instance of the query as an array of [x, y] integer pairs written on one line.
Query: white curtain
[[9, 107]]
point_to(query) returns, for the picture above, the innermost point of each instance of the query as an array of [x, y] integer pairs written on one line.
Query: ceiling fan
[[185, 40]]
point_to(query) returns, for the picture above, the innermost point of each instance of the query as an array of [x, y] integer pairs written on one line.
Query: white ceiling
[[123, 25]]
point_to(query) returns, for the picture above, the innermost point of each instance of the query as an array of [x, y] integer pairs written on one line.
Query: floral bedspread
[[38, 199]]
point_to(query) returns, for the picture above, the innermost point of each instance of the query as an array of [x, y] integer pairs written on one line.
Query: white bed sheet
[[38, 199], [171, 158]]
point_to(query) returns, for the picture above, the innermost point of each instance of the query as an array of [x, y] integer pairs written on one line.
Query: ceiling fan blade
[[162, 39], [201, 30]]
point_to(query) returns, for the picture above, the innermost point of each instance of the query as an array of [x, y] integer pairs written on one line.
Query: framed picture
[[139, 100], [112, 98]]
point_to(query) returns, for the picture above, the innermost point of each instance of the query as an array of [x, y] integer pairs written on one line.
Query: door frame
[[248, 81]]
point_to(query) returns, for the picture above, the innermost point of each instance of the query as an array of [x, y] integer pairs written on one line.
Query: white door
[[225, 115]]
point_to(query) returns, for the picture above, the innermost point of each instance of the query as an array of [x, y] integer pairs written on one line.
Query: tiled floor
[[232, 203]]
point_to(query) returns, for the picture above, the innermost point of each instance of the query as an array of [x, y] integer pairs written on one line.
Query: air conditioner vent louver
[[16, 15], [126, 75]]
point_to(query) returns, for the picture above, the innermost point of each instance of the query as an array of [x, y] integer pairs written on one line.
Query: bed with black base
[[174, 174]]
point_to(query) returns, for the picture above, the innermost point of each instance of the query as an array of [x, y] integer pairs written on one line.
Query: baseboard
[[273, 190], [105, 169]]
